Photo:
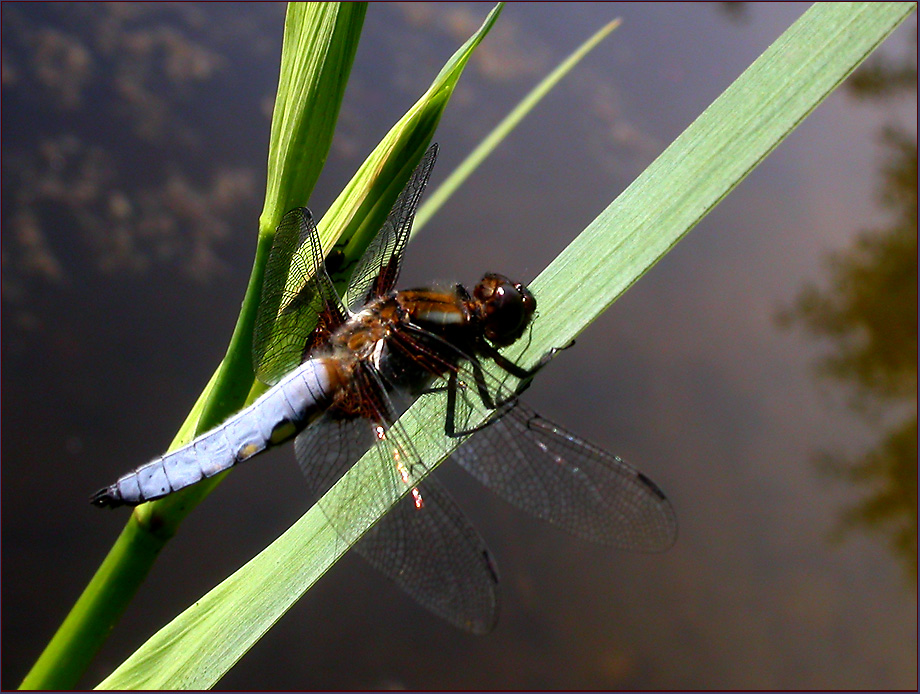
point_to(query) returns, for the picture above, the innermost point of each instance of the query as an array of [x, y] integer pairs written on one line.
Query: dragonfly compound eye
[[506, 308]]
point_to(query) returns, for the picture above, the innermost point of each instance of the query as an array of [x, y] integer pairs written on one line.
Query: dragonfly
[[354, 375]]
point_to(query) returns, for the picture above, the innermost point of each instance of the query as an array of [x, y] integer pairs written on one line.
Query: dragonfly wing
[[378, 268], [294, 318], [537, 465], [425, 544], [545, 470]]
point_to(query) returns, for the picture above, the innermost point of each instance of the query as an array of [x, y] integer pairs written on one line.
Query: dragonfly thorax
[[360, 335]]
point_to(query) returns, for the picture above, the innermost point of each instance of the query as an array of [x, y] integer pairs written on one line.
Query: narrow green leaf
[[702, 166], [198, 647], [356, 215], [320, 40], [712, 156], [439, 196]]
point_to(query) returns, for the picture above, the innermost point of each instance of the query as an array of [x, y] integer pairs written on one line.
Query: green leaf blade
[[439, 196], [320, 41], [704, 164], [356, 215], [198, 647]]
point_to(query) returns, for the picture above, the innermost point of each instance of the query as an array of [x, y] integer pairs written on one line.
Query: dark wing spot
[[651, 485], [490, 564]]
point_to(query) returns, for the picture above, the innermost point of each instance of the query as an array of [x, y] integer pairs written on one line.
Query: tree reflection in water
[[868, 310]]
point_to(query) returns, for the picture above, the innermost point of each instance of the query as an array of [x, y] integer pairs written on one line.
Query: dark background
[[134, 142]]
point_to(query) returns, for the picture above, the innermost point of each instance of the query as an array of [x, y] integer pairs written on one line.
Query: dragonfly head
[[505, 308]]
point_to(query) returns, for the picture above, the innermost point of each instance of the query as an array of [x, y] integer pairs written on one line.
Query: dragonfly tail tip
[[105, 498]]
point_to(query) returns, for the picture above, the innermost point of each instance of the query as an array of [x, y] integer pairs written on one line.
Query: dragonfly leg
[[499, 408], [524, 375]]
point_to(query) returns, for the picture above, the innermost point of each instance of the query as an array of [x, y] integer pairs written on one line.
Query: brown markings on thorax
[[438, 312]]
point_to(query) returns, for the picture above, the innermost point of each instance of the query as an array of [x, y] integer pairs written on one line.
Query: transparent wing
[[429, 548], [539, 466], [545, 470], [425, 544], [295, 318], [378, 268], [291, 322]]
